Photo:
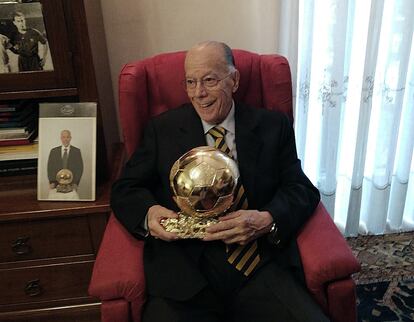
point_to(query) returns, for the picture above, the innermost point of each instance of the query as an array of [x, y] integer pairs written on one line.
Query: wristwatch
[[272, 236]]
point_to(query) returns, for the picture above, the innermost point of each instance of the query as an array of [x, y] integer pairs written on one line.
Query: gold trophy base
[[64, 188], [188, 227]]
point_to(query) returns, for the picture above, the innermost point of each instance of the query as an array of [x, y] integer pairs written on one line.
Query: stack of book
[[18, 133]]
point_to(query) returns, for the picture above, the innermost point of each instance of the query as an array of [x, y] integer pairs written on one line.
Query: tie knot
[[217, 132]]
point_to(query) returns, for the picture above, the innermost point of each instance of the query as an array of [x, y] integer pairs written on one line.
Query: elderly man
[[247, 267], [65, 156]]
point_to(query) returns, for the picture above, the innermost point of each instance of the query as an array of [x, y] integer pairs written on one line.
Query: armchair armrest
[[325, 254], [118, 269]]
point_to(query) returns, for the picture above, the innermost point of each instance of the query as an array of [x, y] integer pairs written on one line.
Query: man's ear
[[236, 78]]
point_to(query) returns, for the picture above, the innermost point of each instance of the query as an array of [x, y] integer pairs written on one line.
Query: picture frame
[[24, 46], [67, 151], [61, 75]]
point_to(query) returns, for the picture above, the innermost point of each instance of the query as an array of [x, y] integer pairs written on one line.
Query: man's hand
[[241, 227], [52, 185], [155, 215]]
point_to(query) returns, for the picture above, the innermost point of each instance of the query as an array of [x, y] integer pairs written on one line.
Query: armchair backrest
[[151, 86]]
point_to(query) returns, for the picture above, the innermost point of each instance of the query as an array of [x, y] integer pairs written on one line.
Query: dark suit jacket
[[269, 170], [75, 163]]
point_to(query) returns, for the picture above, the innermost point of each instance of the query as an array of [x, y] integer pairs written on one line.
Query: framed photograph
[[24, 45], [67, 151], [34, 46]]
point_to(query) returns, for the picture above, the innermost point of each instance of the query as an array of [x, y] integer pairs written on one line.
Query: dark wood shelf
[[33, 94], [20, 195], [79, 310]]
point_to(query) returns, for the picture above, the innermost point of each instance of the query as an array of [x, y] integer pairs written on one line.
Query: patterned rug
[[385, 285]]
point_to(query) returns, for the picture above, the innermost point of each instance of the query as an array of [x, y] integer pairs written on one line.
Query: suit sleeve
[[53, 164], [78, 166], [50, 167], [296, 197], [132, 194]]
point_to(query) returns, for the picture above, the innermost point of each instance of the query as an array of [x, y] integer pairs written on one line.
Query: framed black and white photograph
[[24, 45], [67, 151], [41, 58]]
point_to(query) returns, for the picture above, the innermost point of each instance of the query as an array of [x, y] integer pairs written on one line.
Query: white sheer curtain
[[353, 68]]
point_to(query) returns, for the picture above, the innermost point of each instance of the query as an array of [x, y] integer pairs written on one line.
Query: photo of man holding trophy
[[64, 168], [218, 194]]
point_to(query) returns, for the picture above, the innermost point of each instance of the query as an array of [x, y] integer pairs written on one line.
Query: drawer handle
[[21, 246], [33, 288]]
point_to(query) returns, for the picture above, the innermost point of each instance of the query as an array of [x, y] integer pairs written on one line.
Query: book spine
[[17, 171], [18, 167], [14, 142]]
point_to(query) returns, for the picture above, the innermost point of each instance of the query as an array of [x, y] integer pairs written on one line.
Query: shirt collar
[[228, 123]]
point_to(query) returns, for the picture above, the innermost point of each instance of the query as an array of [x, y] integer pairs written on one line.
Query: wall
[[136, 29]]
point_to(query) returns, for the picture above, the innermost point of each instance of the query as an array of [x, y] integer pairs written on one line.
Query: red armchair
[[152, 86]]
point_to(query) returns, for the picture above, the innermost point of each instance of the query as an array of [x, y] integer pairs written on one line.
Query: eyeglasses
[[208, 82]]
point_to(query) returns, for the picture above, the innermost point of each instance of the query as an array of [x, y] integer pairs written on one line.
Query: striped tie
[[243, 258], [65, 158]]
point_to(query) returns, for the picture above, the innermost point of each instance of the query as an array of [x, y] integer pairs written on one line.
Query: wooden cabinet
[[47, 249], [22, 241]]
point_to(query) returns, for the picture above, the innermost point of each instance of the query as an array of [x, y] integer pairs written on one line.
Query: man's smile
[[206, 105]]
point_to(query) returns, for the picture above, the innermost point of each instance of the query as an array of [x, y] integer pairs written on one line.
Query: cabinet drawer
[[45, 239], [62, 314], [81, 313], [45, 283]]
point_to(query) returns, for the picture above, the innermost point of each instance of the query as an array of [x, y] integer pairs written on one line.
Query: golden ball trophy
[[64, 178], [203, 182]]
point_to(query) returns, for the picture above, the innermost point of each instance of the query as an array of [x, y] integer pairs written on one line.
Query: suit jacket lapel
[[248, 146], [190, 134], [190, 131]]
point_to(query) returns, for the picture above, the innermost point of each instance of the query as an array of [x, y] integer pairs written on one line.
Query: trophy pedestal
[[64, 188], [188, 227]]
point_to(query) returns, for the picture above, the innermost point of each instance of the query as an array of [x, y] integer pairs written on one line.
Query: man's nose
[[200, 90]]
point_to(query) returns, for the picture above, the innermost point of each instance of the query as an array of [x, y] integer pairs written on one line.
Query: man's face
[[65, 138], [20, 23], [212, 104]]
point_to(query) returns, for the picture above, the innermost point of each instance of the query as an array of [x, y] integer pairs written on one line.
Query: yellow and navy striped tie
[[244, 258]]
